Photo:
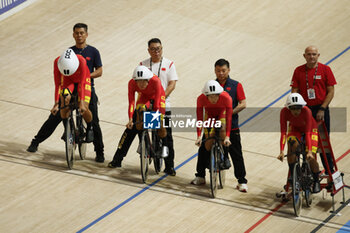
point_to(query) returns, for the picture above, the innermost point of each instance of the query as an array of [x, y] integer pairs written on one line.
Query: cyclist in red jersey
[[217, 106], [149, 88], [301, 122], [71, 70]]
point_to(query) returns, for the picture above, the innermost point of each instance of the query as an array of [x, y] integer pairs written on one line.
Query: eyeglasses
[[155, 49]]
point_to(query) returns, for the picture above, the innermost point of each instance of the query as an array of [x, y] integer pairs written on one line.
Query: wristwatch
[[322, 109]]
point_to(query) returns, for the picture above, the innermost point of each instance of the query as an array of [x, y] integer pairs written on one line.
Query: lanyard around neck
[[307, 81], [160, 65]]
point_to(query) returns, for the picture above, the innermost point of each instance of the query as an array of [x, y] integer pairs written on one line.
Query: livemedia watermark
[[255, 119]]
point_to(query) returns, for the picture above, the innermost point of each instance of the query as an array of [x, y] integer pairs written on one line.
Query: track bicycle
[[216, 161], [75, 131], [150, 147], [301, 179]]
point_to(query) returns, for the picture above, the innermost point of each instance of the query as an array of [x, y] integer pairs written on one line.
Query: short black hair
[[154, 40], [80, 25], [222, 62]]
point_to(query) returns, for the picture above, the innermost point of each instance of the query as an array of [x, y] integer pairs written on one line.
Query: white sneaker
[[242, 188], [198, 181], [165, 151]]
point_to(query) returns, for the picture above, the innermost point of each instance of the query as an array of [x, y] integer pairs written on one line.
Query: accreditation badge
[[311, 94]]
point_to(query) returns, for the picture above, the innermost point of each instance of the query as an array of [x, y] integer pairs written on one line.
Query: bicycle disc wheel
[[308, 197], [222, 173], [70, 142], [308, 176], [158, 163], [222, 178], [156, 144], [144, 157], [81, 125], [297, 192], [213, 171], [82, 150]]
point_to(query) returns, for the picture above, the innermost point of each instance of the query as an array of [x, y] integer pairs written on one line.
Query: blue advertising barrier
[[6, 5]]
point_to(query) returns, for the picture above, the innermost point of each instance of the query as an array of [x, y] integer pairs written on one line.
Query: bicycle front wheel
[[70, 142], [144, 156], [213, 171], [297, 192]]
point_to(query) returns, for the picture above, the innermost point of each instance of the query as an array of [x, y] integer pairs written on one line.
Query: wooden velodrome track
[[264, 42]]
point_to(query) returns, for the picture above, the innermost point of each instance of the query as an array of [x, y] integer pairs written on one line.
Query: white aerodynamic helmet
[[212, 87], [142, 73], [68, 62], [295, 99]]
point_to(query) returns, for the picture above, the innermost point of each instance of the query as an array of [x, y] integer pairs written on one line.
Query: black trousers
[[129, 135], [98, 138], [314, 110], [169, 161], [53, 121], [47, 128], [125, 141], [203, 160], [235, 151]]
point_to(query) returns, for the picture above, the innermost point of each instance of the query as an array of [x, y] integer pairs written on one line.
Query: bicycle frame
[[74, 131], [216, 158], [150, 148], [302, 179]]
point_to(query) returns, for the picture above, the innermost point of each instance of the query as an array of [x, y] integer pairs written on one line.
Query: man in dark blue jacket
[[235, 90]]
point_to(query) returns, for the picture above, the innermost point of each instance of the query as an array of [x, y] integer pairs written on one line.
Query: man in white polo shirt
[[166, 71]]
